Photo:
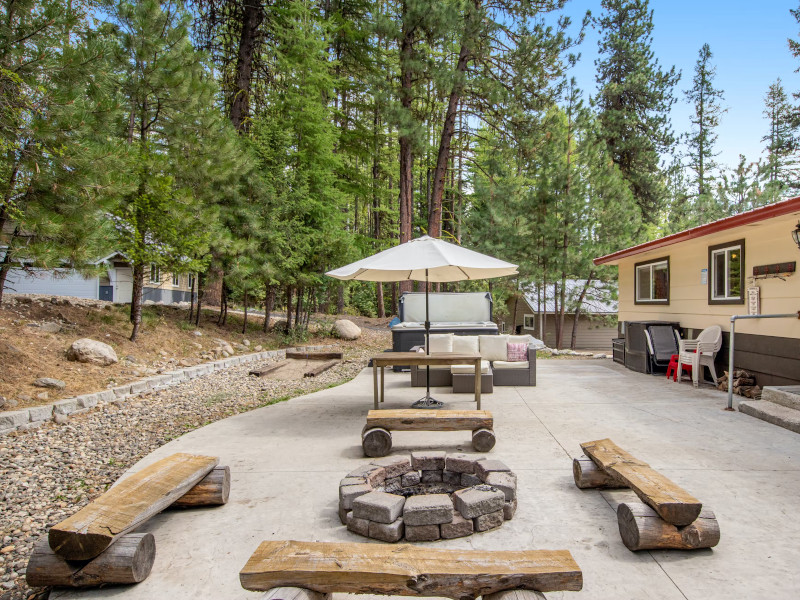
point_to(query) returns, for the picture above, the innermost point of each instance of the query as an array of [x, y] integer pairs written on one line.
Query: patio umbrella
[[430, 260]]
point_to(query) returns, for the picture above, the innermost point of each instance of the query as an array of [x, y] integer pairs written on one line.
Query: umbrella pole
[[427, 401]]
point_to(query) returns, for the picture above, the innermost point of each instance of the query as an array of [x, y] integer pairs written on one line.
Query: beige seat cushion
[[502, 364], [467, 344], [519, 339], [461, 369], [441, 342], [493, 347]]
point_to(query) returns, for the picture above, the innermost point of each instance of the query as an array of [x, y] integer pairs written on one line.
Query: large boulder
[[347, 330], [91, 351]]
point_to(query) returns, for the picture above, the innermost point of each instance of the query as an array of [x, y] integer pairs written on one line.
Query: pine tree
[[779, 171], [705, 99], [634, 100], [178, 147], [54, 115], [740, 187]]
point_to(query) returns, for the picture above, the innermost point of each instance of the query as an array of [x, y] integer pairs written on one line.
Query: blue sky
[[748, 41]]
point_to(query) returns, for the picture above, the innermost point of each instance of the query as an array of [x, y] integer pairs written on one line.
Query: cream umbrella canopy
[[430, 260]]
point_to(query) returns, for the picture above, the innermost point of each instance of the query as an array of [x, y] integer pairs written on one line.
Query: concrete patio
[[286, 461]]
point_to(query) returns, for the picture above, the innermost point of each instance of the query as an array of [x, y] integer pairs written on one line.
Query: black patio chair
[[662, 343]]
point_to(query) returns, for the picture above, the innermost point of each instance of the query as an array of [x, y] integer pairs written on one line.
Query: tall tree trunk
[[288, 308], [340, 299], [394, 298], [244, 321], [578, 306], [443, 158], [379, 298], [5, 267], [269, 304], [136, 298], [298, 312], [201, 288], [191, 302], [406, 157], [240, 107]]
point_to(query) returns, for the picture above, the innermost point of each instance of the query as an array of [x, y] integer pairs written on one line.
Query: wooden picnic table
[[388, 359]]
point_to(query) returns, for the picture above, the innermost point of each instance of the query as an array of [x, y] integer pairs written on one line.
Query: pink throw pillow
[[517, 352]]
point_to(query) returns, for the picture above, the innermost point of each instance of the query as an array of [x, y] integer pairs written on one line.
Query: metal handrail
[[735, 318]]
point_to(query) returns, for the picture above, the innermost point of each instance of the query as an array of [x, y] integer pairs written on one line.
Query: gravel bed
[[49, 473]]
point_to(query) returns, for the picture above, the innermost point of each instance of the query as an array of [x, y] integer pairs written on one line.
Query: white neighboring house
[[114, 284]]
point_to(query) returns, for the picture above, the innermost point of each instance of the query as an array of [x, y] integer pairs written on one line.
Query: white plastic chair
[[700, 353]]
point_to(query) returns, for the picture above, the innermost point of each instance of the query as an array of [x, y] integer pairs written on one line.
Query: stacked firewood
[[744, 384]]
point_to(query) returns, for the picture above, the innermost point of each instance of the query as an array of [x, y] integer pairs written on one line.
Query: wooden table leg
[[478, 383], [375, 382], [383, 375]]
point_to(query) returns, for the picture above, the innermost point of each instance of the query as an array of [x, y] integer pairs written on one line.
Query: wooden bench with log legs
[[668, 517], [376, 438], [291, 570], [94, 546]]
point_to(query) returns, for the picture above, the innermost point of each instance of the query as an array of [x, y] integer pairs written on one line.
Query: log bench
[[93, 547], [376, 437], [668, 517], [404, 570]]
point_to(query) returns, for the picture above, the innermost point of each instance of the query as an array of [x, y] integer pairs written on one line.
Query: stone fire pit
[[427, 496]]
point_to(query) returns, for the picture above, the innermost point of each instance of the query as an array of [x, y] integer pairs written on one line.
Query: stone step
[[785, 395], [777, 414]]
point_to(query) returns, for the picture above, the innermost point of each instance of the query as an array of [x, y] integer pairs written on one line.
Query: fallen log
[[483, 439], [129, 560], [376, 442], [127, 505], [641, 528], [588, 475], [320, 368], [674, 504], [406, 570], [314, 355], [267, 370], [213, 490]]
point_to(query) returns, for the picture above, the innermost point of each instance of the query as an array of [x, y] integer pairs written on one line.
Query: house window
[[725, 267], [155, 273], [652, 282], [529, 322], [191, 281], [176, 280]]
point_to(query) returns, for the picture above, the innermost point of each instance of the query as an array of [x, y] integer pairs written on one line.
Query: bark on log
[[588, 475], [376, 442], [267, 370], [320, 368], [213, 490], [314, 356], [674, 504], [129, 560], [293, 593], [406, 570], [483, 440], [128, 505], [428, 420], [641, 528]]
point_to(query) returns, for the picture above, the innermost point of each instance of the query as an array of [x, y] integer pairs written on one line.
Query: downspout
[[735, 318]]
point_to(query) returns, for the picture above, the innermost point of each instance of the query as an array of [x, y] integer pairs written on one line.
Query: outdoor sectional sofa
[[495, 366]]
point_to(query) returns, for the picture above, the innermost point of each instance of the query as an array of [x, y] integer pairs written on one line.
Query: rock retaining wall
[[31, 418]]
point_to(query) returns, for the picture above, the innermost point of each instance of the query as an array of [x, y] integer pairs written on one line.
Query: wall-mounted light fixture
[[796, 234]]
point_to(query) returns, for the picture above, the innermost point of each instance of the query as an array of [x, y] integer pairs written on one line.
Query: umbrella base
[[428, 402]]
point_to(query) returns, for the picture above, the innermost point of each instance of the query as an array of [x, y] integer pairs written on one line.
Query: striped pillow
[[517, 352]]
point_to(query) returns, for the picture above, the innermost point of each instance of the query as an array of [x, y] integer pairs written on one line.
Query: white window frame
[[176, 280], [155, 273], [648, 268], [525, 325], [190, 281], [726, 251]]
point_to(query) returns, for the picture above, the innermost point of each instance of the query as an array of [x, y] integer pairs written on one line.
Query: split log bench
[[93, 546], [376, 437], [668, 517], [404, 570]]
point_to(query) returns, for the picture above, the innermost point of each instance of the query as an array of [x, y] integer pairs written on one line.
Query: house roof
[[779, 209], [596, 301]]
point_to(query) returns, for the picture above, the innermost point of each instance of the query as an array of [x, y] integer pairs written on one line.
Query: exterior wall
[[59, 282], [766, 242], [163, 290], [592, 333], [770, 348]]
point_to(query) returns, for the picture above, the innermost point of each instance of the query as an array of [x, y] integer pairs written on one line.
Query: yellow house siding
[[766, 242]]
